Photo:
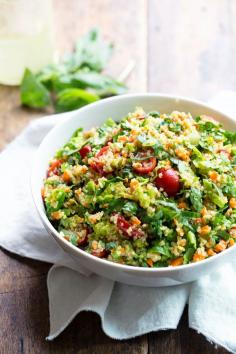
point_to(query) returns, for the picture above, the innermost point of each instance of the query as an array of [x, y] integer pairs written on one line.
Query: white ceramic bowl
[[93, 115]]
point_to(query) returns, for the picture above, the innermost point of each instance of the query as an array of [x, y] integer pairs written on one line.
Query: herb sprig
[[75, 81]]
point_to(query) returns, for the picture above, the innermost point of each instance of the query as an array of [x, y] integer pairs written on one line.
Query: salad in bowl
[[150, 190]]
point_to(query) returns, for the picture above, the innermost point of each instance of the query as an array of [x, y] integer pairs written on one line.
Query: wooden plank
[[192, 47], [24, 320], [190, 52], [181, 341]]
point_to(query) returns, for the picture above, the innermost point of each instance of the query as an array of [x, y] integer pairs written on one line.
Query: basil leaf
[[32, 92], [91, 51], [73, 98]]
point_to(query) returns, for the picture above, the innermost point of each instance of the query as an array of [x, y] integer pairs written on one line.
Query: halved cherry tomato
[[85, 150], [102, 151], [126, 228], [54, 167], [100, 253], [123, 224], [98, 166], [82, 241], [168, 180], [146, 164], [225, 153]]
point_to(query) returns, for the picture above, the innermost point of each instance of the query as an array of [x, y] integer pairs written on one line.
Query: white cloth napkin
[[125, 311]]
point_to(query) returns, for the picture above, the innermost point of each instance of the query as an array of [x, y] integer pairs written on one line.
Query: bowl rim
[[104, 262]]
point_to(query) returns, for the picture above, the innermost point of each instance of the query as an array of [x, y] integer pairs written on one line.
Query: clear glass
[[25, 38]]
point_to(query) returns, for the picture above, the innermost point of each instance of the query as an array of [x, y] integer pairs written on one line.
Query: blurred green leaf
[[73, 98], [32, 92], [90, 51]]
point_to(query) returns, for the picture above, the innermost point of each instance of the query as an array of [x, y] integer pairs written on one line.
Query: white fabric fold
[[125, 311]]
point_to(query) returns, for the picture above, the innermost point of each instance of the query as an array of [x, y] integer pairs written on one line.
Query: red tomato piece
[[168, 180], [126, 228], [123, 224], [54, 167], [146, 163], [98, 166], [83, 241], [85, 150], [100, 253], [103, 151]]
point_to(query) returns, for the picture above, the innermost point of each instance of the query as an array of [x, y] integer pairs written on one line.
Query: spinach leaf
[[163, 250], [73, 98], [32, 92]]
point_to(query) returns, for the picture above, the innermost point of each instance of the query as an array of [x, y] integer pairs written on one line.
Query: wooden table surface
[[185, 47]]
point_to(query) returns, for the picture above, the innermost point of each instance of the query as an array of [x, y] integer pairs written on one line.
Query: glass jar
[[25, 38]]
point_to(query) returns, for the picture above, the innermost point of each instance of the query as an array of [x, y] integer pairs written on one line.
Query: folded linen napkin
[[125, 311]]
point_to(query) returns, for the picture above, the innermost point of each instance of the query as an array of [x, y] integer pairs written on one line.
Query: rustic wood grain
[[24, 320], [190, 50]]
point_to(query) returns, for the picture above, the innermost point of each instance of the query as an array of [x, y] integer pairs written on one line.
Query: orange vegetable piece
[[66, 176], [221, 246], [176, 262], [43, 192], [210, 252], [232, 203], [197, 257], [213, 175], [204, 230], [150, 262], [135, 221]]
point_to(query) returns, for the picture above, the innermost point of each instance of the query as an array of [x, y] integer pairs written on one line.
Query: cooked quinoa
[[153, 190]]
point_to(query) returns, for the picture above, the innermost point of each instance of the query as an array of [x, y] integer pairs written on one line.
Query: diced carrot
[[66, 176], [232, 203], [183, 154], [176, 262], [150, 262], [231, 242], [210, 252], [197, 257], [134, 132], [56, 215], [221, 246], [122, 138], [205, 230], [213, 175], [67, 238], [203, 211], [135, 221]]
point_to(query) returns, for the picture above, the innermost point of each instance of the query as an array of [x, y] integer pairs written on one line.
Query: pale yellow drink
[[25, 38]]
